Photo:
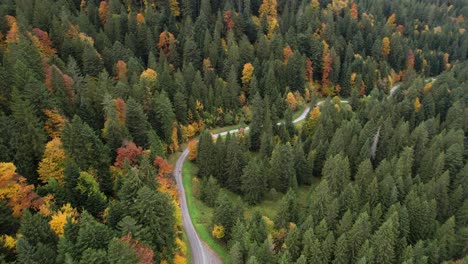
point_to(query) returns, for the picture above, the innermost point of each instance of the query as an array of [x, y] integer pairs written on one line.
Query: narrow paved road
[[201, 253]]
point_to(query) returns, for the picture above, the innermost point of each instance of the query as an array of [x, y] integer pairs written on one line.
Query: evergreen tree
[[288, 211], [254, 181], [205, 156], [28, 138], [137, 123], [282, 172], [256, 124]]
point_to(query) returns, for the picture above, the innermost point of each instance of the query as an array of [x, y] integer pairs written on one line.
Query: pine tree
[[93, 155], [256, 124], [205, 156], [254, 181], [282, 172], [226, 214], [233, 165], [38, 241], [336, 171], [137, 123], [28, 138], [288, 211], [162, 116]]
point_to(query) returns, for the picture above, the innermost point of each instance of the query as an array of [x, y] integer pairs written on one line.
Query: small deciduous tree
[[128, 152], [218, 231], [53, 162], [192, 146]]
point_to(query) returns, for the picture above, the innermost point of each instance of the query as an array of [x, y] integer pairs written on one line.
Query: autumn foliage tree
[[14, 188], [164, 168], [228, 21], [192, 146], [144, 252], [130, 152], [53, 162], [54, 123], [327, 67], [385, 46], [354, 11], [291, 101], [165, 40], [121, 68], [247, 73], [60, 218], [103, 10]]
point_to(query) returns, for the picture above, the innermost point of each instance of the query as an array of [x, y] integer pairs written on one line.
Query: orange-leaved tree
[[165, 40], [193, 148], [15, 189], [128, 152]]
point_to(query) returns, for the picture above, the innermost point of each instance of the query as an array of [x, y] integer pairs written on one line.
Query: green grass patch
[[200, 213]]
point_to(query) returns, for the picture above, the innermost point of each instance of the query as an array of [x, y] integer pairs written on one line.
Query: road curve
[[201, 253]]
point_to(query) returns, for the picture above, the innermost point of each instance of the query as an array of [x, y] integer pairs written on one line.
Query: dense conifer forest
[[98, 98]]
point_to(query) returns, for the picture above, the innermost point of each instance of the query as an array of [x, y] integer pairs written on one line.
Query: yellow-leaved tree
[[247, 73], [53, 162], [385, 46], [218, 231], [59, 219]]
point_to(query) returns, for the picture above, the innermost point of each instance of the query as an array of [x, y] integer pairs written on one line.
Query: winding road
[[201, 253]]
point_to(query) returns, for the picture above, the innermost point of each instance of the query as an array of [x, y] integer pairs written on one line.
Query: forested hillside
[[96, 96]]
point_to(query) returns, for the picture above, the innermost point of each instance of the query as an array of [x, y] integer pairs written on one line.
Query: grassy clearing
[[200, 213]]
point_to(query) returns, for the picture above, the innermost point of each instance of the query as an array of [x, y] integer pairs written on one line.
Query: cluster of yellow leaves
[[312, 121], [178, 259], [291, 101], [8, 242], [74, 32], [268, 9], [427, 88], [53, 162], [59, 219], [247, 73], [242, 99], [174, 5], [417, 104], [447, 65], [385, 46], [315, 4], [7, 181], [339, 4], [149, 75], [207, 66], [198, 106], [391, 21], [13, 33], [218, 231], [193, 149], [46, 205], [54, 123]]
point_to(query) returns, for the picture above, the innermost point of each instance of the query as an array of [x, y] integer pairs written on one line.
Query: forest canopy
[[95, 96]]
